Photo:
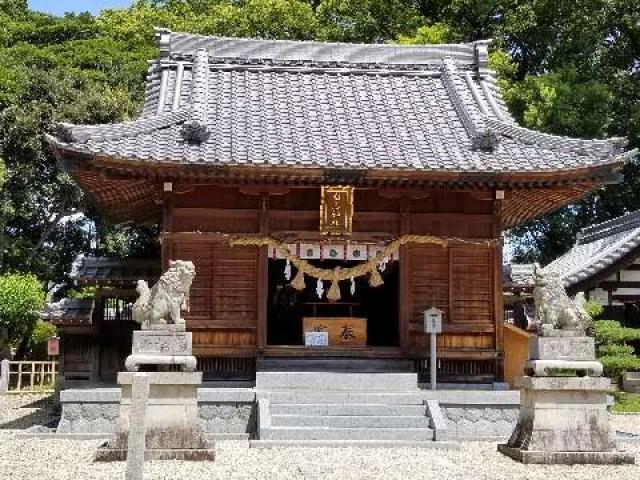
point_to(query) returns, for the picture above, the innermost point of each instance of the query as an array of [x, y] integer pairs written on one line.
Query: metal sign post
[[433, 326]]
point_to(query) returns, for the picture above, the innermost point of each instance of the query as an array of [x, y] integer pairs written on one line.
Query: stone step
[[348, 409], [428, 444], [328, 433], [361, 365], [411, 397], [349, 421], [336, 381]]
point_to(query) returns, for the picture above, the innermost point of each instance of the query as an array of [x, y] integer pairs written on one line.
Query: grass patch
[[626, 402]]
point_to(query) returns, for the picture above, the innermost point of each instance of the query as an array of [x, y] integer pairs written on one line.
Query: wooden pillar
[[498, 300], [167, 225], [263, 276], [405, 301]]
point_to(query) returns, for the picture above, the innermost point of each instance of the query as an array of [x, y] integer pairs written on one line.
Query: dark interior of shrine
[[287, 307]]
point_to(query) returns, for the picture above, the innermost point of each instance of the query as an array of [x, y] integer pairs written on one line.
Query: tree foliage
[[568, 68], [21, 301]]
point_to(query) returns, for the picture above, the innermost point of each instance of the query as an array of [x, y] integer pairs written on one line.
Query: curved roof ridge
[[584, 265], [70, 132], [175, 44], [469, 107], [609, 227], [604, 148]]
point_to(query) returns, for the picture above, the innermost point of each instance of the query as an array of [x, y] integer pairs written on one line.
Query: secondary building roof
[[599, 251], [70, 312], [326, 112], [109, 271], [518, 277]]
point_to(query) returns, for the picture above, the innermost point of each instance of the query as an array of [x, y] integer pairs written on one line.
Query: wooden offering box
[[343, 331]]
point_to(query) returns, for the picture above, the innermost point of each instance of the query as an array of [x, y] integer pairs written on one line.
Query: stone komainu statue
[[162, 303], [554, 309]]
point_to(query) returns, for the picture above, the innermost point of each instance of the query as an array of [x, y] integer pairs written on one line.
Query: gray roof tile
[[310, 104], [597, 248]]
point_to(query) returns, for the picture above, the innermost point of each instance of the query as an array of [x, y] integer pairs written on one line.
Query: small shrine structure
[[338, 188]]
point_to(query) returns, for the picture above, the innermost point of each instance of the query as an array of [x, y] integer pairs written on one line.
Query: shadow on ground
[[42, 412]]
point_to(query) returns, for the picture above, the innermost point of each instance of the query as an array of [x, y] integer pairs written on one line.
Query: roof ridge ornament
[[163, 36], [195, 129], [482, 137], [481, 54]]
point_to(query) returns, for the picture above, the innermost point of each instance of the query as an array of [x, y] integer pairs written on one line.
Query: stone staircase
[[363, 404]]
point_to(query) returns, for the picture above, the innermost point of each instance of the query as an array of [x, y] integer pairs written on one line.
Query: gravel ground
[[50, 459]]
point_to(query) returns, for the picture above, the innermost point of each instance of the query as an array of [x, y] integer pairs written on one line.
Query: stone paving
[[57, 459]]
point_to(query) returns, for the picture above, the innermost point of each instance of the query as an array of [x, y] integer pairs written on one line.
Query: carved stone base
[[556, 347], [187, 363], [173, 428], [564, 420], [161, 347]]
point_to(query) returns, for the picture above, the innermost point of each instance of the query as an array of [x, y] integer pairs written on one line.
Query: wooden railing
[[516, 353], [28, 376]]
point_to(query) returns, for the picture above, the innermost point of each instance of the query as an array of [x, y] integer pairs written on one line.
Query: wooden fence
[[516, 353], [28, 376]]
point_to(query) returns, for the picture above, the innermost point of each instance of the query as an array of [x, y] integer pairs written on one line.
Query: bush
[[614, 367], [21, 301], [42, 332], [613, 350], [616, 356], [610, 331], [594, 308]]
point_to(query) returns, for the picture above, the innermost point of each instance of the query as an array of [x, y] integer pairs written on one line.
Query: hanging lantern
[[353, 286]]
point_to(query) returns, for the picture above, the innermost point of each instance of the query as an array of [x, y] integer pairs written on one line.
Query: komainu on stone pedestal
[[173, 429], [563, 400]]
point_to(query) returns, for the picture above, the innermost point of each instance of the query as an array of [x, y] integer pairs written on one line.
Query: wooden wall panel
[[457, 280], [223, 303], [214, 220], [471, 285], [428, 279]]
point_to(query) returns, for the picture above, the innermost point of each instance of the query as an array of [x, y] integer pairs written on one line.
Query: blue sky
[[58, 7]]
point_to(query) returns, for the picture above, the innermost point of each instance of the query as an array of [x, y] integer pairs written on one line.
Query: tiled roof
[[111, 271], [515, 276], [239, 102], [598, 247], [69, 312]]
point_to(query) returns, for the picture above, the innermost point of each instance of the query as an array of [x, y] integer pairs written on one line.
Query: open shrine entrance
[[365, 316]]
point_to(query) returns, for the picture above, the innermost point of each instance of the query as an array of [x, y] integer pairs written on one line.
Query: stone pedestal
[[564, 420], [173, 431], [562, 350], [170, 346]]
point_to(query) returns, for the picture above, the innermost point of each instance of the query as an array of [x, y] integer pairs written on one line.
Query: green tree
[[567, 68], [21, 302]]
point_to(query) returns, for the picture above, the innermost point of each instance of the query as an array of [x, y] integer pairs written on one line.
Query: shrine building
[[328, 194]]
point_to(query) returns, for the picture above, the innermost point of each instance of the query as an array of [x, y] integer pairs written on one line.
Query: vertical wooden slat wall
[[457, 280], [223, 304]]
